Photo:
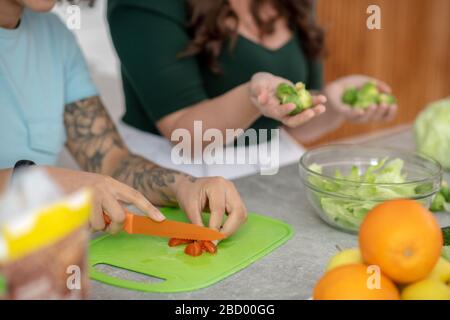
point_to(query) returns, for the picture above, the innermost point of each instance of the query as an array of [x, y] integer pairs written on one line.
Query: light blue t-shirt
[[41, 70]]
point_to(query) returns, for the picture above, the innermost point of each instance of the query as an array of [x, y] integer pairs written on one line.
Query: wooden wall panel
[[411, 52]]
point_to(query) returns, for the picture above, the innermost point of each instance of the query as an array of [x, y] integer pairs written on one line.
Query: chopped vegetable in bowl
[[343, 186], [350, 213]]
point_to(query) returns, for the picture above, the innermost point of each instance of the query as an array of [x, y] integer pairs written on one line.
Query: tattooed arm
[[97, 147], [94, 141]]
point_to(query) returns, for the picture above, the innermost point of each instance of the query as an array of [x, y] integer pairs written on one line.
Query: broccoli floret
[[350, 96], [306, 99], [386, 98], [370, 90], [297, 95], [366, 96], [284, 91]]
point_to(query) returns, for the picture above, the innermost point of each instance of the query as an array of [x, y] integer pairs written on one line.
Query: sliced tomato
[[173, 242], [210, 247], [194, 249]]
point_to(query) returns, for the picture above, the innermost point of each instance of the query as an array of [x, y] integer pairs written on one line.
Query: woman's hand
[[194, 195], [376, 112], [216, 195], [263, 87], [109, 195]]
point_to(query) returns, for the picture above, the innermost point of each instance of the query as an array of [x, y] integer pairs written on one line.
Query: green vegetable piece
[[438, 202], [295, 99], [297, 95], [446, 252], [354, 174], [441, 199], [446, 235], [350, 96], [315, 168], [386, 98], [362, 104], [423, 188], [285, 90], [306, 99], [370, 89], [366, 96], [338, 174], [445, 191]]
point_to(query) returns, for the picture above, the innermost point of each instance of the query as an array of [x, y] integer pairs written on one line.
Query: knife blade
[[136, 224]]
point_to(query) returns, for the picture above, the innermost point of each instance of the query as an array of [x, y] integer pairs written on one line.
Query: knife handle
[[127, 223]]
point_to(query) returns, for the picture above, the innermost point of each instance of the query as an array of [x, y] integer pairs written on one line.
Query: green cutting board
[[152, 256]]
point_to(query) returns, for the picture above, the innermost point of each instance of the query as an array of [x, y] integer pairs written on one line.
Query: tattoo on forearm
[[92, 137], [148, 178], [91, 133]]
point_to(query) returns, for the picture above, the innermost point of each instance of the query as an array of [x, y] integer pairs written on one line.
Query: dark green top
[[149, 34]]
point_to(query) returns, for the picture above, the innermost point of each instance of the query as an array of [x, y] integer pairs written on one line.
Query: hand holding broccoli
[[360, 98], [366, 96], [278, 99]]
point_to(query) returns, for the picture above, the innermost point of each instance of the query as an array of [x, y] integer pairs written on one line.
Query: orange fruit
[[403, 238], [350, 282]]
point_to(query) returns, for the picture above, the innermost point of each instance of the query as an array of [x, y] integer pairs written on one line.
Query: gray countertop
[[291, 271]]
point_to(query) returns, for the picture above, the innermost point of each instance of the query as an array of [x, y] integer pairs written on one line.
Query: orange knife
[[135, 224]]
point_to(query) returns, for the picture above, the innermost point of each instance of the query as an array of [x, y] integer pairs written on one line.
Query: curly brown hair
[[209, 28]]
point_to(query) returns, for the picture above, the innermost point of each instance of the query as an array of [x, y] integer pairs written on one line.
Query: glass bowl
[[343, 202]]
